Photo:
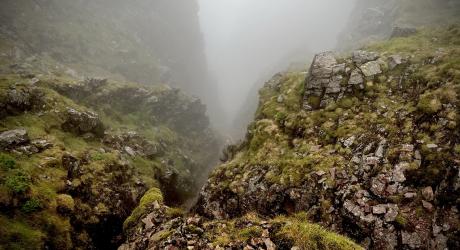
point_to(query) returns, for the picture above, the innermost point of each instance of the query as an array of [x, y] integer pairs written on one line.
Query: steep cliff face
[[80, 157], [367, 145], [76, 157], [142, 41]]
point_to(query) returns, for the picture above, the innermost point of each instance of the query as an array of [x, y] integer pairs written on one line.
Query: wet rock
[[83, 122], [428, 194], [370, 69], [361, 56], [13, 138]]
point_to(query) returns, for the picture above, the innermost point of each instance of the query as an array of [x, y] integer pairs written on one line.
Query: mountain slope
[[77, 156]]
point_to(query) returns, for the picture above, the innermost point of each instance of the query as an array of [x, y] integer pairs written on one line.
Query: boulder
[[356, 78], [394, 61], [370, 69], [13, 138], [361, 56], [83, 122]]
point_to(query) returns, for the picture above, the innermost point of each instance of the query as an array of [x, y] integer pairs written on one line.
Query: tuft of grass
[[152, 195], [310, 236], [17, 182], [7, 162]]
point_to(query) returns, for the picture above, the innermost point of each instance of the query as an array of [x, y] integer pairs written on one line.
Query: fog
[[247, 41]]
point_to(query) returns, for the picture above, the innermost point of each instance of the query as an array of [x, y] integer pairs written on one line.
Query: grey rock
[[361, 56], [412, 240], [323, 64], [410, 195], [83, 122], [280, 99], [394, 60], [398, 173], [392, 212], [356, 78], [12, 138], [348, 142], [130, 151], [370, 69], [432, 146], [379, 209]]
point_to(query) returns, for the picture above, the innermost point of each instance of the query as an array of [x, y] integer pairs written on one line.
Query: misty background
[[248, 41]]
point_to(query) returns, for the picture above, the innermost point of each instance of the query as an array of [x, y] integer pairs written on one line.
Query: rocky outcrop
[[329, 81], [19, 99], [83, 122], [343, 158], [12, 138], [101, 203]]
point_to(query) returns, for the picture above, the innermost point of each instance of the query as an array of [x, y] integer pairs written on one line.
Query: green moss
[[401, 220], [7, 162], [249, 232], [15, 234], [310, 236], [17, 182], [31, 206], [152, 195], [429, 105]]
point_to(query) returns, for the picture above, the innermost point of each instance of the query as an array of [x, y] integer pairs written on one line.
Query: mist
[[246, 42]]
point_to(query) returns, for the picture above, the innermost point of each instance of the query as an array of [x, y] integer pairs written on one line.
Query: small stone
[[280, 99], [431, 146], [392, 212], [379, 209], [394, 60], [348, 142], [398, 173], [320, 173], [372, 161], [130, 151], [428, 194], [269, 244], [428, 206], [410, 195], [407, 148]]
